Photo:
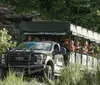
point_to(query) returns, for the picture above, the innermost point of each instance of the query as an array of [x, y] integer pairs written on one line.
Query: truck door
[[58, 59]]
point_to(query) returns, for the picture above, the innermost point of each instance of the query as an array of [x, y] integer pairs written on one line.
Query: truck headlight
[[41, 56]]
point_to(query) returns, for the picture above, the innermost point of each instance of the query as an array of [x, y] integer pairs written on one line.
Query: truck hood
[[29, 51], [42, 51]]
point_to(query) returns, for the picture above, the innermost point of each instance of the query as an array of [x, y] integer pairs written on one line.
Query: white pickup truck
[[36, 57]]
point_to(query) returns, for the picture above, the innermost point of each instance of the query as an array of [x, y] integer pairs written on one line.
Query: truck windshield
[[25, 45], [36, 46]]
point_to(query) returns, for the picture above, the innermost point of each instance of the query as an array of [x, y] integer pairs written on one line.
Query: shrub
[[98, 76], [12, 79], [71, 75], [5, 41], [74, 75]]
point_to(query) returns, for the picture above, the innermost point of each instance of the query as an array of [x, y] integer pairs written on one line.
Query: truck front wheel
[[49, 74]]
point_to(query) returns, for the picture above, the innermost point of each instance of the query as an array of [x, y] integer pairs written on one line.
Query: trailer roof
[[83, 32], [45, 26], [58, 28]]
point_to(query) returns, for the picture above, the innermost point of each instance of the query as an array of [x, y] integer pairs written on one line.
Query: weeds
[[71, 75]]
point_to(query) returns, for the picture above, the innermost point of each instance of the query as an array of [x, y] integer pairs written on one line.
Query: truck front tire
[[49, 74]]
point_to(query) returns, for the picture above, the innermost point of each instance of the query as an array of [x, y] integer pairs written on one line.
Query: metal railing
[[87, 60]]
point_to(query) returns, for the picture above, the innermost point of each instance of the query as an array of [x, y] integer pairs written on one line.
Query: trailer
[[66, 30]]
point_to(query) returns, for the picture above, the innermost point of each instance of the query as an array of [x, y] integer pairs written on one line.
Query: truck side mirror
[[62, 50]]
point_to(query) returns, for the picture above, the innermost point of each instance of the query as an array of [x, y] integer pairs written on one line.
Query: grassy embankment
[[70, 76]]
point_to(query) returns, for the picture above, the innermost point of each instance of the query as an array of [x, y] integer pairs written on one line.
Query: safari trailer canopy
[[83, 32], [46, 27], [58, 28]]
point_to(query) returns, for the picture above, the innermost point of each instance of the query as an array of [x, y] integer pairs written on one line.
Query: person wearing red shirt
[[72, 46]]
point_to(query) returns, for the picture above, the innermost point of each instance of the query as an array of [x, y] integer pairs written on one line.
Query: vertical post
[[87, 60], [81, 58], [97, 62], [75, 56]]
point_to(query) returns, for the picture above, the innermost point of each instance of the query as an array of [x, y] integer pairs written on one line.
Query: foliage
[[5, 41], [98, 76], [80, 12], [71, 75], [12, 79], [85, 13], [20, 6]]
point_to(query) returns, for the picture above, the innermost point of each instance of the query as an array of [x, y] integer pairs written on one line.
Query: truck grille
[[18, 58]]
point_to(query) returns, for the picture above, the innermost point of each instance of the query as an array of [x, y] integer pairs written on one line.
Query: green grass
[[71, 75], [12, 79]]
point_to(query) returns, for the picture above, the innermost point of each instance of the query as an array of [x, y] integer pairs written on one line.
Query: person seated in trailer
[[85, 47], [44, 39], [50, 38], [72, 46], [30, 38], [90, 48], [77, 46], [36, 39]]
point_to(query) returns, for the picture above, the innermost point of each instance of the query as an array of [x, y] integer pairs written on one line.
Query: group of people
[[70, 45], [75, 46], [30, 38]]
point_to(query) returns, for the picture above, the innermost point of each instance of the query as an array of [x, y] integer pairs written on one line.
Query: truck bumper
[[26, 69]]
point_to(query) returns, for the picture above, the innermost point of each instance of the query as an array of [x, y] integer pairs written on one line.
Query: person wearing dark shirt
[[66, 56], [90, 48]]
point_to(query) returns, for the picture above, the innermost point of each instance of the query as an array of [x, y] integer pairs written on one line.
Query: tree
[[5, 41], [85, 13]]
